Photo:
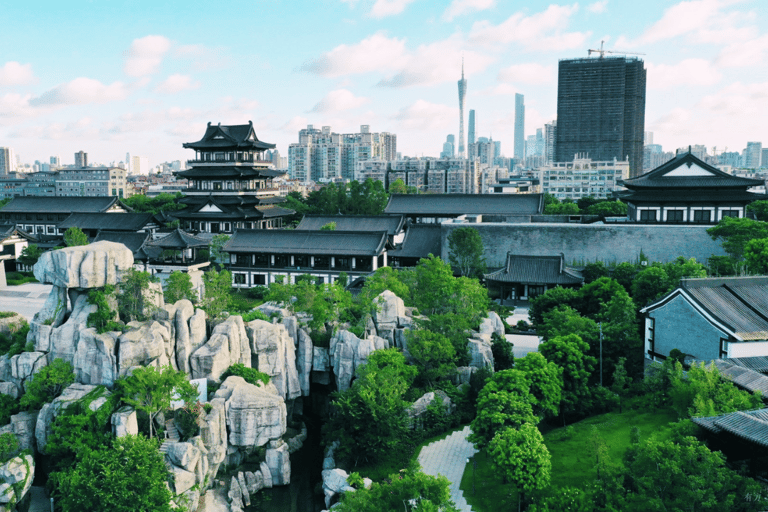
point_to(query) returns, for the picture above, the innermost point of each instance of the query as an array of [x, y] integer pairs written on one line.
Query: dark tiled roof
[[392, 224], [133, 241], [231, 136], [698, 196], [226, 171], [420, 241], [715, 178], [233, 207], [293, 241], [108, 221], [34, 204], [178, 239], [448, 205], [8, 230], [749, 425], [740, 303], [536, 270]]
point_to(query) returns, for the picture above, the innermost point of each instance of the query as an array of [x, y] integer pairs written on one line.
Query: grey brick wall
[[680, 326]]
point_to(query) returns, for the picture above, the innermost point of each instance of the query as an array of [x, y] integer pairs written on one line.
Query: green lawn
[[573, 457]]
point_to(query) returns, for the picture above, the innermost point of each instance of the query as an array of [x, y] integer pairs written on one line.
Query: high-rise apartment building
[[321, 155], [449, 147], [7, 161], [462, 97], [550, 134], [139, 165], [81, 159], [519, 127], [601, 110], [55, 161], [752, 155], [471, 132]]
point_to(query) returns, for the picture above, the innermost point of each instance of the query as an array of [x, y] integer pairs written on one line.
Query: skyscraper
[[519, 127], [752, 155], [7, 161], [462, 96], [601, 110], [81, 159], [471, 132]]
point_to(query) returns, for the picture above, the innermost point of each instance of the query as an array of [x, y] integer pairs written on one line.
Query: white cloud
[[744, 53], [145, 55], [338, 100], [177, 83], [15, 105], [598, 7], [295, 124], [13, 73], [528, 73], [500, 90], [423, 115], [543, 31], [384, 8], [461, 7], [688, 72], [81, 91], [402, 67]]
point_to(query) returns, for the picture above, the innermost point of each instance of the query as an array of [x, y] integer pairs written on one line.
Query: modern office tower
[[601, 110], [550, 133], [534, 149], [7, 161], [449, 146], [471, 132], [81, 159], [519, 126], [462, 97], [752, 155]]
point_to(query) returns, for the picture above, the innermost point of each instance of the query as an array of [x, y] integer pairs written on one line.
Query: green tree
[[161, 203], [594, 271], [367, 198], [756, 255], [130, 477], [597, 293], [432, 353], [570, 499], [705, 392], [561, 209], [466, 252], [521, 456], [178, 286], [650, 284], [608, 209], [369, 418], [497, 411], [549, 300], [570, 353], [151, 391], [585, 202], [429, 493], [30, 254], [546, 383], [136, 299], [625, 273], [216, 248], [218, 287], [331, 226], [564, 320], [75, 236], [621, 381], [734, 233], [683, 268], [760, 209], [47, 384], [385, 278], [398, 187], [503, 353]]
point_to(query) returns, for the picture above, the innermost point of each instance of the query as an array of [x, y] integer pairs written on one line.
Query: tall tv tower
[[462, 96]]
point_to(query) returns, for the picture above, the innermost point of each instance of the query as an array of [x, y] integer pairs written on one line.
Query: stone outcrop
[[480, 354], [16, 476], [95, 360], [214, 437], [279, 462], [22, 425], [49, 411], [274, 353], [255, 414], [304, 360], [419, 407], [348, 352], [146, 344], [125, 422], [228, 345], [190, 333], [492, 324], [63, 339], [86, 266]]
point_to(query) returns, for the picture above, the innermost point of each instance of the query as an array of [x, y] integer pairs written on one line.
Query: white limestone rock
[[419, 407], [26, 364], [95, 360], [274, 350], [198, 333], [125, 422], [480, 354], [63, 339], [182, 480], [492, 324], [17, 474], [147, 344], [86, 266], [279, 461], [388, 308], [184, 455], [49, 411], [320, 359], [255, 414], [304, 360], [22, 425], [228, 345], [463, 375], [266, 475], [214, 436], [335, 480], [347, 353], [183, 311], [10, 389]]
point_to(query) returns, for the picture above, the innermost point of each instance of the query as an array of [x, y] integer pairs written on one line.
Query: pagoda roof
[[229, 171], [232, 207], [240, 136], [392, 224], [536, 270], [178, 239], [686, 171], [294, 241]]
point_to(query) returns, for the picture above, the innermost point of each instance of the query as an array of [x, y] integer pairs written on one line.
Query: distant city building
[[7, 161], [438, 176], [519, 126], [471, 133], [601, 110], [583, 177], [485, 150], [449, 146], [91, 181], [550, 134], [764, 158], [648, 138], [139, 165], [321, 155], [654, 156], [462, 97], [534, 149], [81, 159], [55, 161], [752, 155]]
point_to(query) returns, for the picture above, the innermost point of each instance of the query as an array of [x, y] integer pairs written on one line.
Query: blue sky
[[111, 77]]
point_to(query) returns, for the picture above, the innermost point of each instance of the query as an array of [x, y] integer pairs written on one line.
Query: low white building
[[583, 177]]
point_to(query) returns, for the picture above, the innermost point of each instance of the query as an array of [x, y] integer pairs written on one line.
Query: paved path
[[26, 299], [448, 457]]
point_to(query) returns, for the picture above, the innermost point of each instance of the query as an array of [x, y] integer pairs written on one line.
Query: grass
[[573, 459]]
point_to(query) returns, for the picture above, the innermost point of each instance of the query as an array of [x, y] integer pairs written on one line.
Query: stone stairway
[[171, 435], [448, 457]]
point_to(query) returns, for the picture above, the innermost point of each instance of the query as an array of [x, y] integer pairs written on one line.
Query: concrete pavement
[[448, 457], [26, 299]]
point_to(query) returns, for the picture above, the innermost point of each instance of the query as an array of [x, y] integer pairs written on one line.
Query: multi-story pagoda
[[230, 185]]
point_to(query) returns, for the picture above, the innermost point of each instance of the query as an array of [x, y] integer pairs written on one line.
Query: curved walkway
[[448, 457]]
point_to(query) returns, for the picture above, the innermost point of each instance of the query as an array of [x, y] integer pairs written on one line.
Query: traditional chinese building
[[230, 185], [524, 277]]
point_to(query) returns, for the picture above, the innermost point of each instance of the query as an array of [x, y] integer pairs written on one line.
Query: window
[[301, 261], [702, 216], [723, 348], [239, 279], [651, 326], [730, 213], [261, 260], [259, 279], [322, 262], [282, 261], [343, 263], [647, 215], [675, 215]]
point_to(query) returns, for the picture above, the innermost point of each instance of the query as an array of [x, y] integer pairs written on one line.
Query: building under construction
[[601, 110]]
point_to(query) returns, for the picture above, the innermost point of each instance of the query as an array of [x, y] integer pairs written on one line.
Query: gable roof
[[294, 241], [749, 425], [536, 270], [686, 171], [108, 221], [62, 204], [420, 241], [448, 205], [9, 230], [229, 136], [392, 224], [737, 305]]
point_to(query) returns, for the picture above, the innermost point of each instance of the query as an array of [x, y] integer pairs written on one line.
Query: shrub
[[9, 447], [15, 342], [47, 384], [250, 375], [503, 355], [255, 315], [187, 420], [103, 319], [8, 407]]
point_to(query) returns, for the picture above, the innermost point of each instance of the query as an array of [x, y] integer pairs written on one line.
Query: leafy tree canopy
[[570, 353], [545, 381], [218, 286], [561, 209], [734, 233], [74, 236], [497, 411], [178, 286], [47, 384], [429, 493], [760, 209], [161, 203], [650, 284], [466, 252], [756, 255], [521, 456], [30, 254], [136, 300], [608, 209], [432, 353]]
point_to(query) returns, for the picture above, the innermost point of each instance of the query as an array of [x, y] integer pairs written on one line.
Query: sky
[[143, 77]]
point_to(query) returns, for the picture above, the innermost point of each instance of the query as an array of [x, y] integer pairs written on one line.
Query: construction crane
[[602, 51]]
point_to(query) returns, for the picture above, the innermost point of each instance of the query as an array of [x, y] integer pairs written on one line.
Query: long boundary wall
[[585, 243]]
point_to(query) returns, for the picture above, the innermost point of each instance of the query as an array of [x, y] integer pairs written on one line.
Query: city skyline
[[145, 80]]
